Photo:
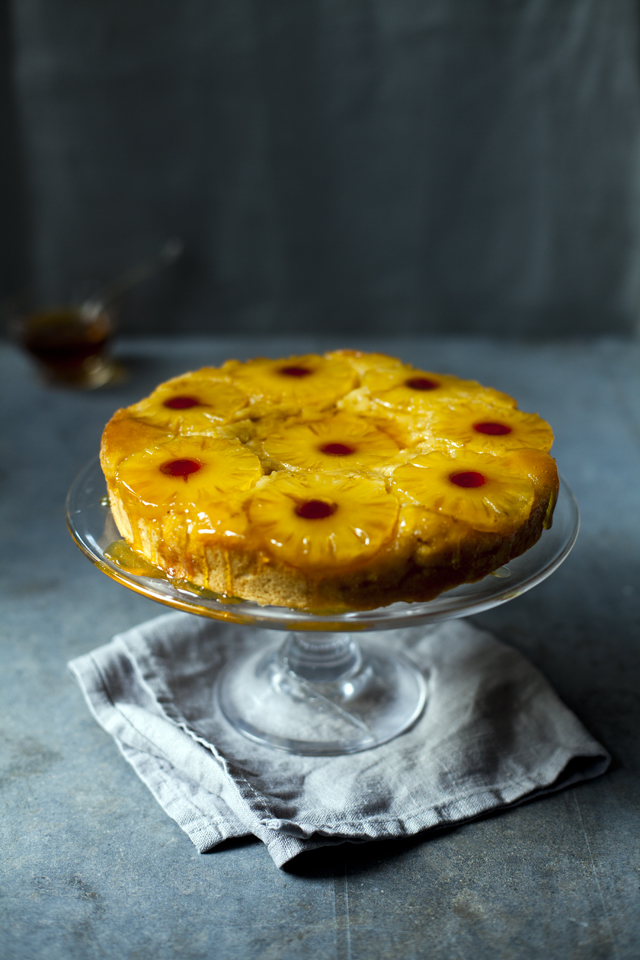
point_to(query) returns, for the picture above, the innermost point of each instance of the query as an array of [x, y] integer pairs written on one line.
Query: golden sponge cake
[[328, 483]]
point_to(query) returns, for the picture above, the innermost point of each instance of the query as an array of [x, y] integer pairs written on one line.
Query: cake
[[327, 483]]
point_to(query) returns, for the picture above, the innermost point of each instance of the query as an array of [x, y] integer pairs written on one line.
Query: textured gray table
[[92, 868]]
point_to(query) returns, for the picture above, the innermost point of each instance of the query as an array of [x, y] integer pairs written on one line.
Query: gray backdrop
[[344, 166]]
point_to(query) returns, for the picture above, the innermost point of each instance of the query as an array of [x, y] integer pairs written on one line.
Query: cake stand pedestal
[[320, 692]]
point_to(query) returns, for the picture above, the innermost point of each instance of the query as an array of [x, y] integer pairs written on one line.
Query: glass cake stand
[[319, 692]]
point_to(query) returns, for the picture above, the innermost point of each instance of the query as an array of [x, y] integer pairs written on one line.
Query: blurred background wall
[[335, 166]]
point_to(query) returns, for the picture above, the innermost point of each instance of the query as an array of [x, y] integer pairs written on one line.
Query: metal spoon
[[170, 251]]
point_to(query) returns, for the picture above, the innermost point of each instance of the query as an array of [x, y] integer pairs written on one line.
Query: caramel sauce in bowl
[[69, 345]]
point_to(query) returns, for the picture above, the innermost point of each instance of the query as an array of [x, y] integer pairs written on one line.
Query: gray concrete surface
[[92, 868]]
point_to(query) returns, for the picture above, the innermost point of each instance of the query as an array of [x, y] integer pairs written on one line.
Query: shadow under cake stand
[[320, 692]]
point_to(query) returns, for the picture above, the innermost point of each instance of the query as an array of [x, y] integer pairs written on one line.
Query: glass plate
[[93, 529]]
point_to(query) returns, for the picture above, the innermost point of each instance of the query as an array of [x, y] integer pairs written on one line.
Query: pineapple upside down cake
[[327, 483]]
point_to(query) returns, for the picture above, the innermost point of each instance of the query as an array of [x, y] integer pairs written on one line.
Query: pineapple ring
[[362, 363], [338, 443], [188, 473], [307, 381], [317, 522], [124, 436], [494, 430], [488, 492], [418, 392], [191, 404]]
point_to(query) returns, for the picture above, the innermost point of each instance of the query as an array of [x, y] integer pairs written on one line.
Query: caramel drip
[[228, 575]]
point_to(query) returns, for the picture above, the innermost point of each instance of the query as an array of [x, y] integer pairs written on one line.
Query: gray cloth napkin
[[494, 733]]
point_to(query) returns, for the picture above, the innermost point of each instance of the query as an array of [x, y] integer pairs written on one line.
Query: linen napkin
[[494, 734]]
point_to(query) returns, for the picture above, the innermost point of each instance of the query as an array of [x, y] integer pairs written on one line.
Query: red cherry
[[180, 468], [467, 478], [421, 383], [181, 403], [337, 449], [491, 428], [294, 371], [315, 509]]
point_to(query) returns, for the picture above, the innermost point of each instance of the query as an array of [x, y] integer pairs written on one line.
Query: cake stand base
[[320, 694]]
